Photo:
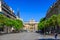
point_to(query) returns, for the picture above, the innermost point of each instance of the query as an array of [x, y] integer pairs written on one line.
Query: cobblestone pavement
[[24, 36]]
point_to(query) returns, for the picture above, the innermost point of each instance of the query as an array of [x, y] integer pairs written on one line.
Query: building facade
[[31, 26], [53, 10], [6, 10]]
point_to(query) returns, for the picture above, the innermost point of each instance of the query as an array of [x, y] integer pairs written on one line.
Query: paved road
[[24, 36], [20, 36]]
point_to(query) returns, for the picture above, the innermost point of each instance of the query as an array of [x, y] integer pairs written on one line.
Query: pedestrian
[[56, 35]]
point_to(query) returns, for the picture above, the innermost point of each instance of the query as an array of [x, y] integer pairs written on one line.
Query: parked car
[[39, 31]]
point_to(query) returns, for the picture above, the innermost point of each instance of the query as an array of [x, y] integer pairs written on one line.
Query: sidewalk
[[50, 36]]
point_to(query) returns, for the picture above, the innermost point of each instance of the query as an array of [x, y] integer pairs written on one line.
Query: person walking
[[56, 35]]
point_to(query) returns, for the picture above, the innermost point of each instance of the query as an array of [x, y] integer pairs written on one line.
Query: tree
[[2, 20], [40, 26], [18, 24], [15, 23], [47, 24], [42, 19], [58, 23]]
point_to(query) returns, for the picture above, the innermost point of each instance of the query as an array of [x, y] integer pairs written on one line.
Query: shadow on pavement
[[48, 39], [6, 33]]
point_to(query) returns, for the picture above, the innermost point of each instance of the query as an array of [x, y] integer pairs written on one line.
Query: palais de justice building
[[31, 25]]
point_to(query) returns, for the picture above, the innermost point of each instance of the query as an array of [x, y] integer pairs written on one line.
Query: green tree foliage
[[58, 19], [18, 24], [15, 23], [43, 19], [2, 20], [52, 21]]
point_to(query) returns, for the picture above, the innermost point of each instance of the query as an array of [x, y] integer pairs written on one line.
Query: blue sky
[[30, 9]]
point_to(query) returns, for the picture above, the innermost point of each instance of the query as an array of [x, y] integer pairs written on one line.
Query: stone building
[[31, 25], [54, 9]]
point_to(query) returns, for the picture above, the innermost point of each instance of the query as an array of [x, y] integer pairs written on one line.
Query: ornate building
[[54, 9], [31, 25]]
